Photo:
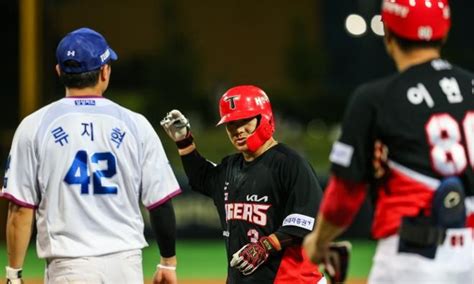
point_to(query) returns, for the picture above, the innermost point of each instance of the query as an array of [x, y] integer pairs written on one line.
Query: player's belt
[[419, 231]]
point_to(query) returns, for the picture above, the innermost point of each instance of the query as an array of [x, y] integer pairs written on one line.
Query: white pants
[[453, 263], [117, 268]]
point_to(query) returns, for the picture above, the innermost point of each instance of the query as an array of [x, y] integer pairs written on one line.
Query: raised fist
[[176, 125]]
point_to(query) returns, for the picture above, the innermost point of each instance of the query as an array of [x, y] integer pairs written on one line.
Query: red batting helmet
[[248, 101], [417, 20]]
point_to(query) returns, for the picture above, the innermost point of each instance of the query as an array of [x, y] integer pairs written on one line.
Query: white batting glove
[[176, 125], [13, 275]]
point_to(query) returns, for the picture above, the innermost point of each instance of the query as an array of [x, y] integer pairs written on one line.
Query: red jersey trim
[[470, 212], [406, 193], [84, 97], [17, 201], [164, 199], [421, 178]]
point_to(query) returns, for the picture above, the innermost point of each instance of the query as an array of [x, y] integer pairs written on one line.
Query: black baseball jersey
[[425, 116], [278, 191]]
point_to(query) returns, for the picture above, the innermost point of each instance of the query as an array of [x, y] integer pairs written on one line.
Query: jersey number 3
[[448, 155], [78, 173]]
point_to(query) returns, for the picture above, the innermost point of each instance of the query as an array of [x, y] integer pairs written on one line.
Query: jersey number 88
[[448, 154]]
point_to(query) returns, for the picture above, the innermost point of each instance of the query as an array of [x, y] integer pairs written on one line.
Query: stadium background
[[184, 54]]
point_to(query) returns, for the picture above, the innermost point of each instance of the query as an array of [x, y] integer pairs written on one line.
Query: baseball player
[[264, 194], [424, 115], [81, 166]]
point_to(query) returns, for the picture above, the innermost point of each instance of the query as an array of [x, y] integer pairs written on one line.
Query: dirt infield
[[202, 281]]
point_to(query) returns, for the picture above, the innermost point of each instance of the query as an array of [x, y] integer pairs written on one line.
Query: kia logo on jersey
[[255, 198]]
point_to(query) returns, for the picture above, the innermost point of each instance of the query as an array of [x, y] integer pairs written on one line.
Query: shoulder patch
[[299, 220], [341, 154]]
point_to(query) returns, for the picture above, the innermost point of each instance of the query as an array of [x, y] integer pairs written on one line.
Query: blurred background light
[[355, 25], [376, 25]]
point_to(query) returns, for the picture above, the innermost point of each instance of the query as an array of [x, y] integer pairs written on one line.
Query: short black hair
[[409, 45], [79, 80]]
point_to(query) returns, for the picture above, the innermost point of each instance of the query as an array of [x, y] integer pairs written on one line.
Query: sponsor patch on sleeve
[[299, 220], [341, 154]]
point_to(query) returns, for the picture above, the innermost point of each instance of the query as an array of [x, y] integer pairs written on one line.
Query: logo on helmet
[[260, 101], [395, 9], [231, 101], [446, 12], [425, 32]]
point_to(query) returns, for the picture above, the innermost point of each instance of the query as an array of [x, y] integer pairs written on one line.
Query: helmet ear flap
[[267, 129], [262, 133]]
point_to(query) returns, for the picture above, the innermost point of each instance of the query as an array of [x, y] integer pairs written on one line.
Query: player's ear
[[388, 41], [58, 70], [105, 72]]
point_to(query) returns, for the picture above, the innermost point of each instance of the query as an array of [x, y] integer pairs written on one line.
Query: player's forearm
[[163, 223], [197, 169], [326, 232], [19, 227], [317, 243], [286, 240]]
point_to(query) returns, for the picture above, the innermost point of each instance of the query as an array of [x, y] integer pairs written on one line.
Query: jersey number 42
[[78, 173]]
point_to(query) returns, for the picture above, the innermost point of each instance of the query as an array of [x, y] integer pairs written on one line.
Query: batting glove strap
[[13, 275], [270, 243], [186, 142]]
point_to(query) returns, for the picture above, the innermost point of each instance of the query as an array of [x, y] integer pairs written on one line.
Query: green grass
[[361, 258], [196, 259], [201, 259]]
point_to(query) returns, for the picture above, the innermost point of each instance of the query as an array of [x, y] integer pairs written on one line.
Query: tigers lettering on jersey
[[250, 212]]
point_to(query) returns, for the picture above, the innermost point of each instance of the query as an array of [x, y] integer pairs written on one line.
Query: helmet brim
[[236, 115]]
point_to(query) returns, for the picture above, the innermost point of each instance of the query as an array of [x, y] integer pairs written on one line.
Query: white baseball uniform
[[85, 164]]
